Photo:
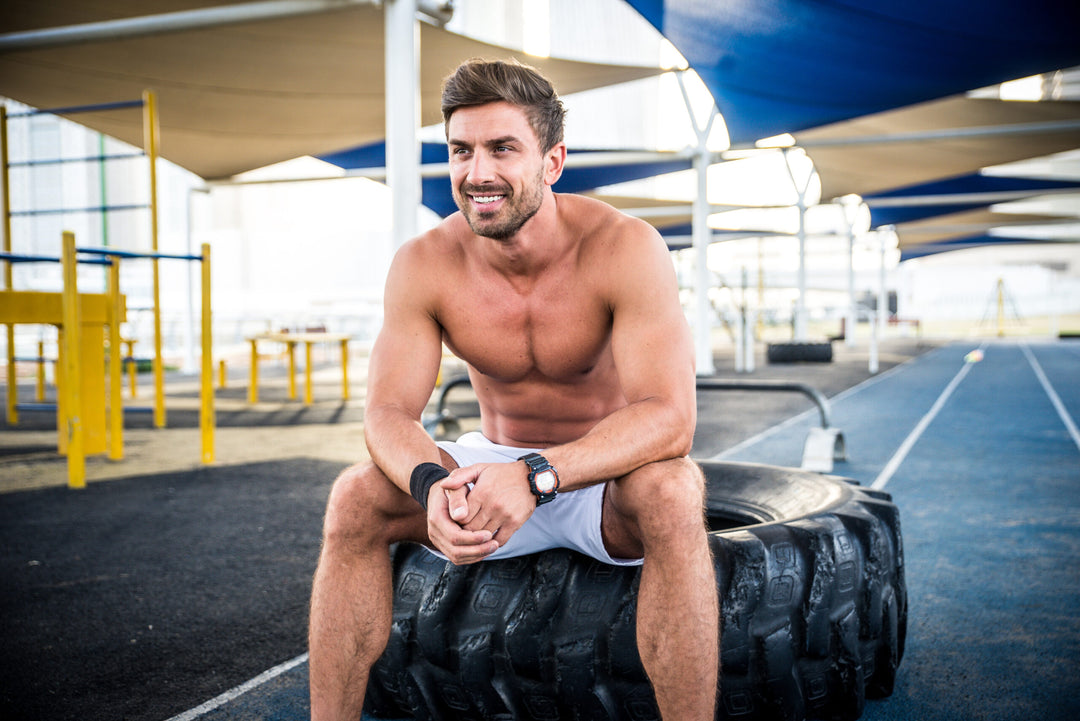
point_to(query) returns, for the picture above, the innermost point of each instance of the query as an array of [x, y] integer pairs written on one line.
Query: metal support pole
[[344, 369], [142, 26], [402, 115], [701, 236], [307, 374], [253, 378], [852, 313], [40, 397], [5, 207], [116, 381], [799, 321], [71, 413], [702, 279], [151, 135], [883, 295], [800, 303], [206, 395], [851, 317]]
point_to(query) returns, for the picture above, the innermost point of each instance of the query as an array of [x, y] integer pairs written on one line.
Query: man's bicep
[[651, 339], [408, 350]]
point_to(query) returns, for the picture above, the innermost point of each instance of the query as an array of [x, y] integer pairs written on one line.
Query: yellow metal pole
[[290, 350], [221, 373], [5, 206], [132, 366], [72, 422], [307, 373], [61, 390], [206, 406], [151, 135], [116, 382], [40, 371], [253, 379], [345, 369]]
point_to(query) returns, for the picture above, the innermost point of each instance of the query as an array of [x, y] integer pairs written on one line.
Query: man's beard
[[516, 210]]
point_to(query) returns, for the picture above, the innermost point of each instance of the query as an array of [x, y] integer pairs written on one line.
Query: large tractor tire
[[809, 570]]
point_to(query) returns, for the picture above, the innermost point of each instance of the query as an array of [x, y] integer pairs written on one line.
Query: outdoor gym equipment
[[151, 133], [80, 408]]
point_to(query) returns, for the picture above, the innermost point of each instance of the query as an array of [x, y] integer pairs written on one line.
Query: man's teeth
[[485, 199]]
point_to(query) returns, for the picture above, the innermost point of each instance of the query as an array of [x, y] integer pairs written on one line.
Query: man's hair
[[478, 82]]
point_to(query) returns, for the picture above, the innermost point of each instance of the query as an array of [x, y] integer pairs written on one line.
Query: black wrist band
[[423, 478]]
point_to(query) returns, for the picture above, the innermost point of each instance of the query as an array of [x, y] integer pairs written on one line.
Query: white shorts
[[572, 520]]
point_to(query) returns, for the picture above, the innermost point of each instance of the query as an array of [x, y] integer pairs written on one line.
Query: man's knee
[[364, 502], [673, 484], [657, 500]]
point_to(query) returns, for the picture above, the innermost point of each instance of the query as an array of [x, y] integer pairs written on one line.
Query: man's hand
[[460, 545], [498, 501]]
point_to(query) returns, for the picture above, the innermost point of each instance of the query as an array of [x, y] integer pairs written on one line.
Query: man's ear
[[554, 162]]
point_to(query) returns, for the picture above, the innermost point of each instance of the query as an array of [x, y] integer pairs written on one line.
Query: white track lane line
[[1058, 405], [905, 447], [239, 690]]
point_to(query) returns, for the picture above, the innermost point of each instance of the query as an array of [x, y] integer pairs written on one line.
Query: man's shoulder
[[442, 241], [605, 227]]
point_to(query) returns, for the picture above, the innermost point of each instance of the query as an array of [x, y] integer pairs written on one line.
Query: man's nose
[[481, 169]]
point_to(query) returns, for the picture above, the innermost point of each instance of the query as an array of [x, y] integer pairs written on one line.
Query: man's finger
[[457, 499]]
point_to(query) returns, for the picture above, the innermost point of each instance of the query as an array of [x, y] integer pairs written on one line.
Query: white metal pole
[[851, 318], [800, 303], [402, 115], [883, 296], [851, 315], [701, 236], [702, 281], [799, 321]]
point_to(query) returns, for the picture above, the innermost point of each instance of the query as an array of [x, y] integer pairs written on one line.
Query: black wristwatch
[[543, 478]]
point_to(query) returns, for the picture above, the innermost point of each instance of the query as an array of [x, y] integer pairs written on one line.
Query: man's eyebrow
[[504, 140]]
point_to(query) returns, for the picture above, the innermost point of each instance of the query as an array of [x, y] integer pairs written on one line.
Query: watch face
[[545, 481]]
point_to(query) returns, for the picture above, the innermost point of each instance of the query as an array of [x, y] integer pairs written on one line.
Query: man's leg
[[658, 511], [351, 602]]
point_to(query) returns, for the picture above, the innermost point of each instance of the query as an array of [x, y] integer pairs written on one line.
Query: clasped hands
[[474, 511]]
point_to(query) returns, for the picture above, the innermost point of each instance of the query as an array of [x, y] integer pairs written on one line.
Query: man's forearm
[[644, 432], [398, 443]]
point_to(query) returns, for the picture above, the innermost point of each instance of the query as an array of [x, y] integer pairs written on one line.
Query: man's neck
[[537, 244]]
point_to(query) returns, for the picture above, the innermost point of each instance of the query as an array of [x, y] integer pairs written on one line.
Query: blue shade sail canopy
[[780, 66], [929, 200]]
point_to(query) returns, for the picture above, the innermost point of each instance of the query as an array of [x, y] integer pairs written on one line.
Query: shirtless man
[[567, 314]]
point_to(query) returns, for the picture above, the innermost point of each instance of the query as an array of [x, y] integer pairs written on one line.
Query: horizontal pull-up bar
[[83, 159], [136, 254], [73, 109], [22, 258], [69, 211]]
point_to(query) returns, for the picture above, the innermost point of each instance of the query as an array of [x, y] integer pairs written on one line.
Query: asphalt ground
[[172, 593]]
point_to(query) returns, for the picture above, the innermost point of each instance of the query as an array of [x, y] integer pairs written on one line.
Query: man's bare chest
[[561, 334]]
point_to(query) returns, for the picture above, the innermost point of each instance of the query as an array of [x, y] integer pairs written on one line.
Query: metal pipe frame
[[822, 403], [437, 11]]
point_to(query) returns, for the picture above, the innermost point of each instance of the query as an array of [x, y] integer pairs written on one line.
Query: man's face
[[497, 171]]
